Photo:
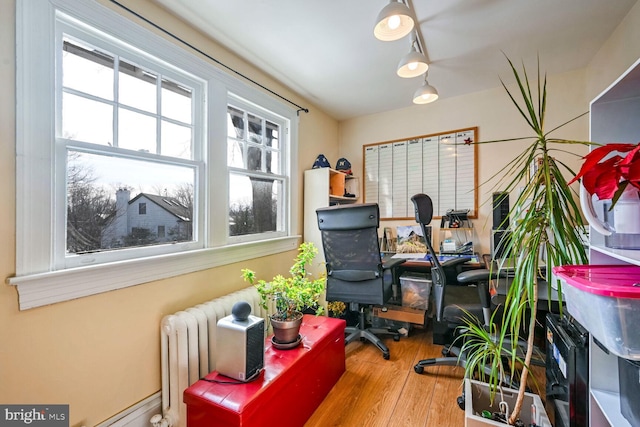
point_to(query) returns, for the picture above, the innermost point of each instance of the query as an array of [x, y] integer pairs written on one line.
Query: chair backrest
[[424, 214], [352, 253]]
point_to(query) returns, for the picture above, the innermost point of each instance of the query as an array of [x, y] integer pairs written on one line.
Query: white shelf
[[613, 119], [608, 402], [629, 256], [343, 199], [319, 184]]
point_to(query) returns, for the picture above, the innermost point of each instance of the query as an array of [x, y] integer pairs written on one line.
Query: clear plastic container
[[626, 226], [415, 291], [605, 299]]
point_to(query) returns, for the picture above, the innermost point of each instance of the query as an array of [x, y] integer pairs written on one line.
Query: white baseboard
[[137, 415]]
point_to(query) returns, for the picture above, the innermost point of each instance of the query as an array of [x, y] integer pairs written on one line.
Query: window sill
[[41, 289]]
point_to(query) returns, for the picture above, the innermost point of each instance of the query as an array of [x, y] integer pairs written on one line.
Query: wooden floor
[[387, 393]]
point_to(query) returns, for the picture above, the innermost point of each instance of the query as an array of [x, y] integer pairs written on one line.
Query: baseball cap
[[321, 162], [343, 165]]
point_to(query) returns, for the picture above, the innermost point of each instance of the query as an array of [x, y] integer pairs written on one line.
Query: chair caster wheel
[[419, 369], [445, 352], [460, 401], [396, 337], [386, 356]]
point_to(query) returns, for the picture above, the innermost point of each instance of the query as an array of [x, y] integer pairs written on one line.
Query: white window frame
[[284, 162], [38, 279], [69, 26]]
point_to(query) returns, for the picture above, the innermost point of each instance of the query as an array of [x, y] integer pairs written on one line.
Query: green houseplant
[[545, 229], [290, 295]]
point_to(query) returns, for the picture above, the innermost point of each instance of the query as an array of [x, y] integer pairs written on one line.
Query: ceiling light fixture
[[394, 21], [413, 63], [425, 93]]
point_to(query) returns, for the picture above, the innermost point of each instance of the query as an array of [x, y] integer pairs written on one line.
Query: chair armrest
[[478, 275], [455, 261], [392, 263]]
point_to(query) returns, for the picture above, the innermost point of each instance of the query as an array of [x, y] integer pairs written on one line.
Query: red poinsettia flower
[[608, 178]]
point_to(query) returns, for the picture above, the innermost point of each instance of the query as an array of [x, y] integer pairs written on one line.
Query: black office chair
[[452, 303], [356, 273]]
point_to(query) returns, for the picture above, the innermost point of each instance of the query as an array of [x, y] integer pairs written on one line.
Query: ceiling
[[325, 49]]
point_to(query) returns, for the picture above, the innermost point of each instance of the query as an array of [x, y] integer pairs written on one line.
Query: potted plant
[[546, 228], [615, 181], [608, 176], [290, 295]]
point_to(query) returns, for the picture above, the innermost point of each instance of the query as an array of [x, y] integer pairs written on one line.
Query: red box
[[291, 386]]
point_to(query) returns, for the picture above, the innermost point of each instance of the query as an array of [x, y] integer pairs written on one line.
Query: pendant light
[[413, 63], [394, 21], [425, 93]]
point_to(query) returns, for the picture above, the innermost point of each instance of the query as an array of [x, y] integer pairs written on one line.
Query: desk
[[422, 262], [421, 265], [292, 385]]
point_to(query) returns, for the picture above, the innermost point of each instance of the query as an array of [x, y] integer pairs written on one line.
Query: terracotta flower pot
[[286, 331]]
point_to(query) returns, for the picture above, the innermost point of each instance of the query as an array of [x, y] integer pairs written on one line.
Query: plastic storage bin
[[415, 290], [629, 380], [605, 299]]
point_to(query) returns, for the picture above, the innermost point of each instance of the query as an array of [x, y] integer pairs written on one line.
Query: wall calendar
[[443, 166]]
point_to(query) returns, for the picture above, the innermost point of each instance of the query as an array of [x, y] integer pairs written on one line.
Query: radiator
[[188, 347]]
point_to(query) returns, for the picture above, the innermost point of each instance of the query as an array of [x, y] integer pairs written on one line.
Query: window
[[256, 176], [128, 127], [138, 123]]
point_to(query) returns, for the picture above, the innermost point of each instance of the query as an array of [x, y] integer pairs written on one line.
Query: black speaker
[[498, 242], [500, 210]]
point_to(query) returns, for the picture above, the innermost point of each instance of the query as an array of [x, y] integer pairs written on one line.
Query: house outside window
[[134, 115]]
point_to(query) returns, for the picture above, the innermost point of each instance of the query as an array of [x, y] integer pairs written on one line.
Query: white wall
[[496, 118]]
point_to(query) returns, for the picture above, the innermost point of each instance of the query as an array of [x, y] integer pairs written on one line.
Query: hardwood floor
[[378, 392]]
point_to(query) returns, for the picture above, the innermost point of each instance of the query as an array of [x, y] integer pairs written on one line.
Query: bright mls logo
[[34, 415]]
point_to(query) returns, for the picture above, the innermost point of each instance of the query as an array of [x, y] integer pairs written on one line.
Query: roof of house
[[170, 204]]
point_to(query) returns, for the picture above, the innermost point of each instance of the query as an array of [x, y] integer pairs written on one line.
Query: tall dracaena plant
[[546, 229]]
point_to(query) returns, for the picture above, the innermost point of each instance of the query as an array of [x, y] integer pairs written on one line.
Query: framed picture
[[411, 240]]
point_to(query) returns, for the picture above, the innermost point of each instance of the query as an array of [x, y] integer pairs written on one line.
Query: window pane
[[254, 205], [115, 203], [273, 132], [235, 123], [137, 87], [86, 120], [175, 140], [87, 70], [176, 102], [234, 153], [273, 165], [254, 159], [255, 129], [136, 131]]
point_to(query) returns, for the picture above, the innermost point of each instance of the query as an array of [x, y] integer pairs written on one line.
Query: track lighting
[[425, 93], [394, 21], [413, 63]]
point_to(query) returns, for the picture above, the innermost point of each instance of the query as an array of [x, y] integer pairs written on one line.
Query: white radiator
[[188, 346]]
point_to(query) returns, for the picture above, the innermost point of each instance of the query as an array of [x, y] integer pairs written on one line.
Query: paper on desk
[[410, 256]]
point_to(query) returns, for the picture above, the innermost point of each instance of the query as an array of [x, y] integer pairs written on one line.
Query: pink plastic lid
[[619, 281]]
